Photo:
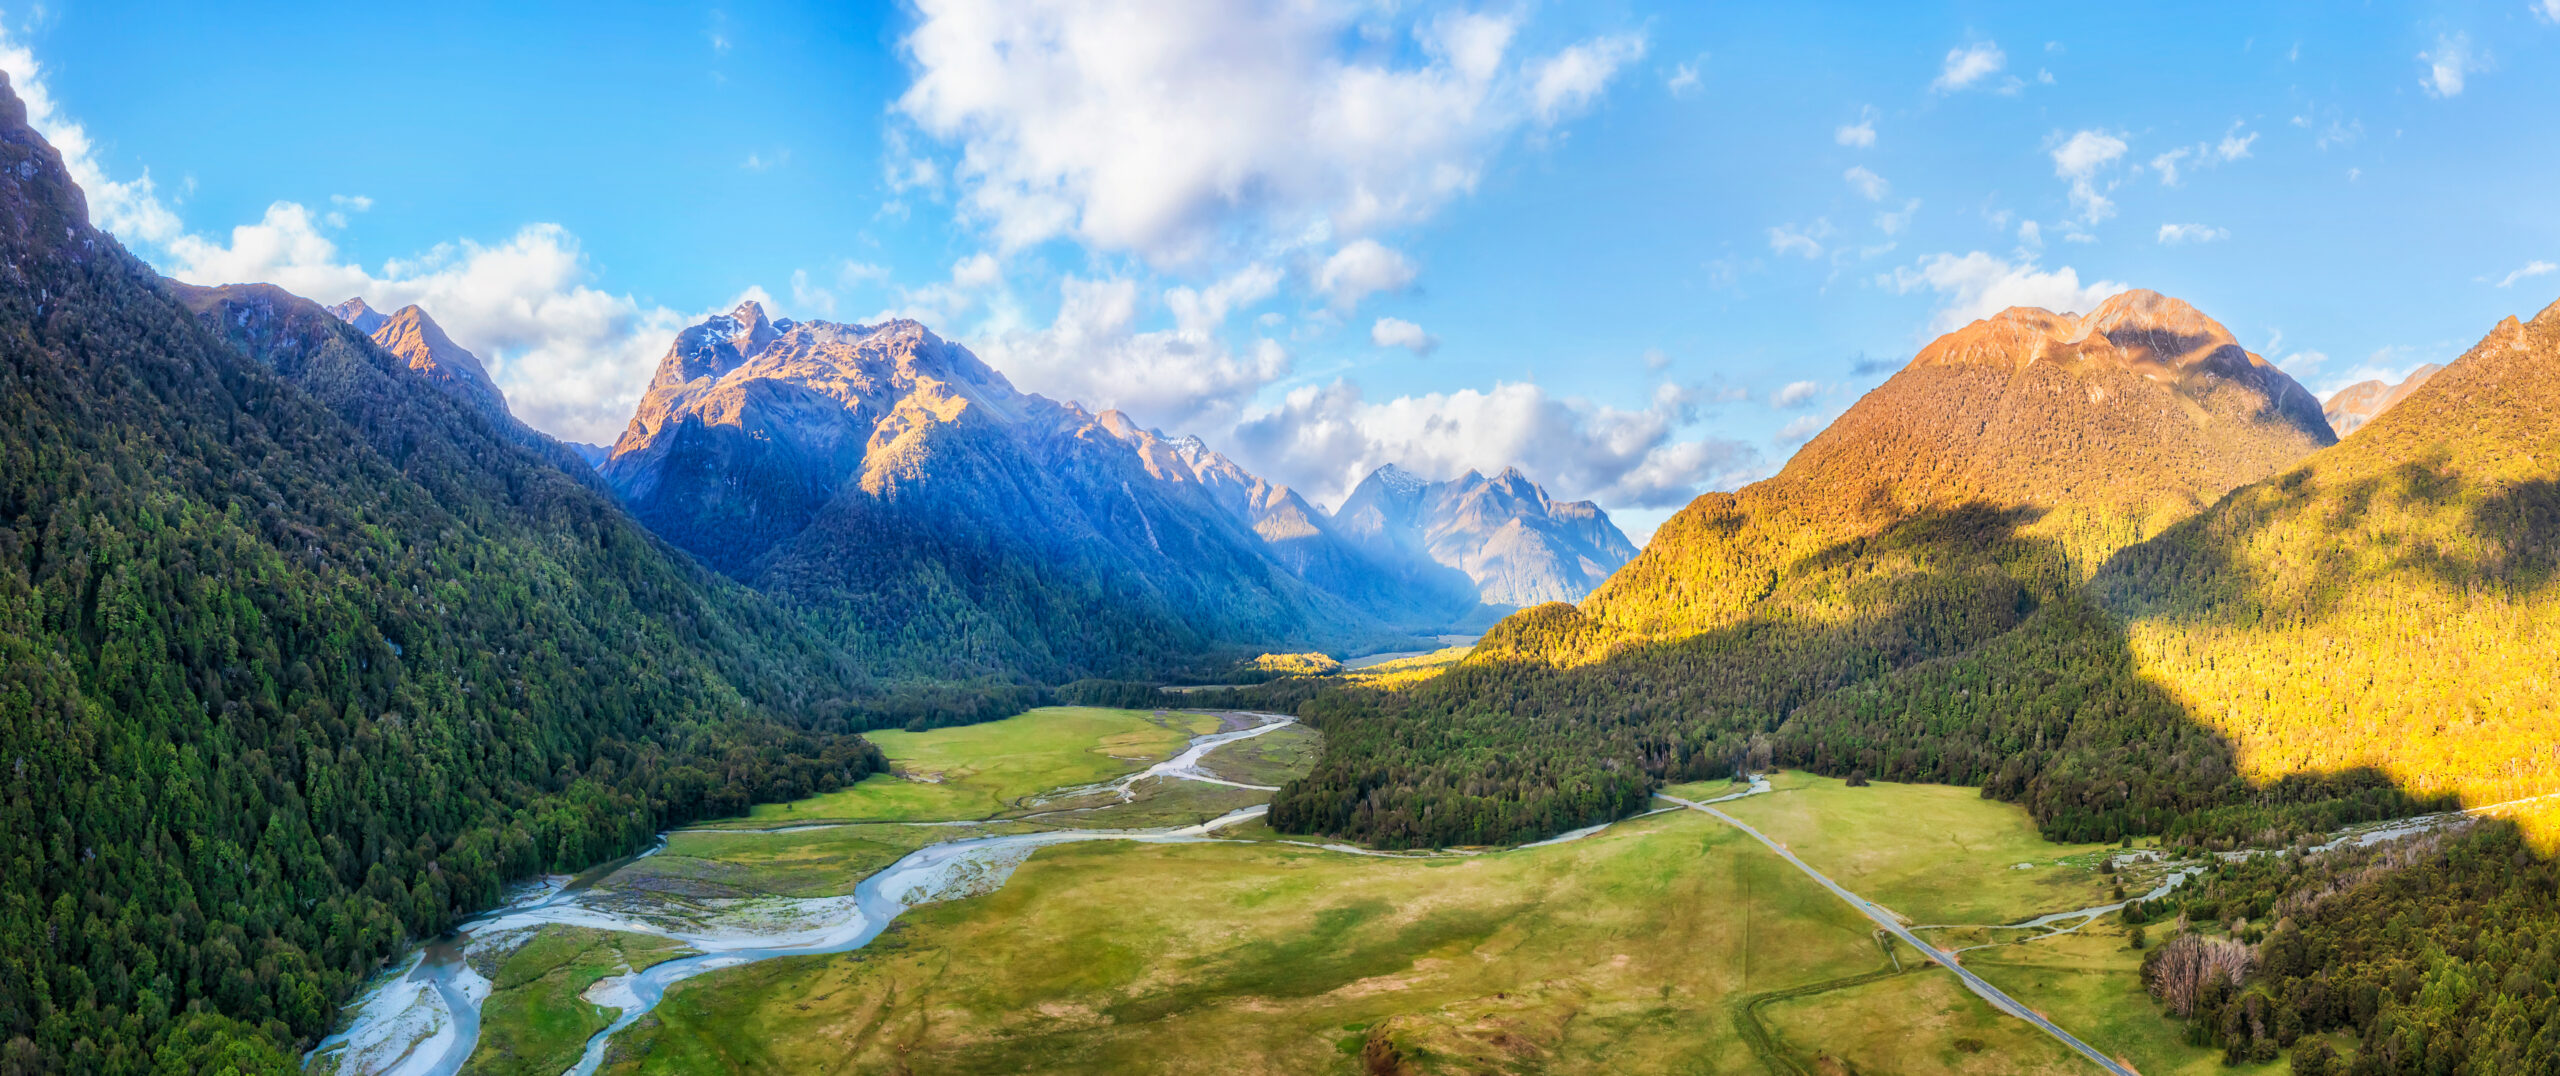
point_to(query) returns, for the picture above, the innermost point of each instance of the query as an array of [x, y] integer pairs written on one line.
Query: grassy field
[[534, 1021], [1272, 758], [809, 863], [2093, 980], [1934, 853], [1667, 944], [1623, 952], [981, 771]]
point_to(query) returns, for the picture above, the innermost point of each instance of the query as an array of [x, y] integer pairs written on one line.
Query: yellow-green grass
[[981, 771], [1932, 853], [1621, 952], [1406, 672], [2091, 983], [1919, 1021], [535, 1021], [1158, 803], [807, 863], [1273, 758]]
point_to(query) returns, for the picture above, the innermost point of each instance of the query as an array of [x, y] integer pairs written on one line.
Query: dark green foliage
[[300, 661], [2437, 955], [1121, 694]]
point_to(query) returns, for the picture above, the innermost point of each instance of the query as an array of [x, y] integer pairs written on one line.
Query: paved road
[[1998, 999]]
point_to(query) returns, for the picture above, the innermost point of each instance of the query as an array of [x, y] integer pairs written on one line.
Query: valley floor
[[1669, 943]]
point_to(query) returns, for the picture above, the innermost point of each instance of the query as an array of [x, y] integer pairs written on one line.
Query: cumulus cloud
[[1968, 65], [1323, 439], [131, 208], [572, 358], [1795, 394], [1862, 134], [1174, 128], [2079, 159], [1397, 332], [1869, 185], [2448, 64], [2531, 268], [1094, 353], [1362, 268], [1978, 285], [2180, 234]]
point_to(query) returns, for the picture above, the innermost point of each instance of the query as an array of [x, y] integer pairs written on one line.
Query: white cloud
[[2531, 268], [1094, 353], [1568, 81], [1801, 430], [2030, 235], [573, 359], [1397, 332], [1869, 185], [2180, 234], [2549, 10], [1363, 268], [1978, 285], [1862, 134], [2167, 164], [1893, 221], [1968, 65], [2079, 158], [1802, 241], [132, 208], [2233, 146], [2448, 64], [1684, 79], [1796, 394], [1322, 440], [1175, 128]]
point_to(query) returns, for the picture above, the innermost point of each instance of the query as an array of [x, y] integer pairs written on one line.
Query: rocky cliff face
[[1503, 534], [2351, 407], [948, 525]]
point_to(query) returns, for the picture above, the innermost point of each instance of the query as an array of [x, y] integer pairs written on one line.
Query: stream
[[424, 1020]]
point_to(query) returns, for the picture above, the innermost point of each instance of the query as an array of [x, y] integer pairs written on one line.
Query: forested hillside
[[1959, 506], [302, 659]]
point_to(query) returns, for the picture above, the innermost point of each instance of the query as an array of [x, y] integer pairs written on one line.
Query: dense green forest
[[2427, 955], [300, 660]]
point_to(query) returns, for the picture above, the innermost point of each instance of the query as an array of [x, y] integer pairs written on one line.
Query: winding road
[[1999, 999]]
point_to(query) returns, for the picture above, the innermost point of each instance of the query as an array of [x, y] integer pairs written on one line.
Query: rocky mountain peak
[[354, 312], [2350, 408]]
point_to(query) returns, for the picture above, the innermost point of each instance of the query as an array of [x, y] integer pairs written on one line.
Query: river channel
[[424, 1020]]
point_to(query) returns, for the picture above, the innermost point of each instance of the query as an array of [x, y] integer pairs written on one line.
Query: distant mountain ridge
[[2349, 408], [944, 524], [1516, 545]]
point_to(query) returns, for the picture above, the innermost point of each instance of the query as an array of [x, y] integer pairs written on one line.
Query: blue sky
[[1640, 251]]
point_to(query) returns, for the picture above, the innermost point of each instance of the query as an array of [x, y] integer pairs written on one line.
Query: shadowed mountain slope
[[940, 523], [304, 658]]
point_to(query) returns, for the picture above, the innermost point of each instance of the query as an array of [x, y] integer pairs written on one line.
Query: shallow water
[[425, 1019]]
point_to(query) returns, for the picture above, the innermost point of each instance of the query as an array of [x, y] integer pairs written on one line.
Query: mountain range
[[941, 524]]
